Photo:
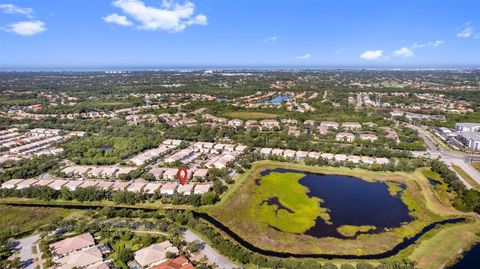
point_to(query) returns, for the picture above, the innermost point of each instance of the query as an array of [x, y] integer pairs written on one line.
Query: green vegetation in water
[[394, 188], [296, 213], [352, 230]]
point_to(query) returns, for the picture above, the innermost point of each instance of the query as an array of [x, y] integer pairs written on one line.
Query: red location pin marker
[[182, 175]]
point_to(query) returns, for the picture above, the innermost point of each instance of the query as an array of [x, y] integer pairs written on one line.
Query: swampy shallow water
[[351, 201]]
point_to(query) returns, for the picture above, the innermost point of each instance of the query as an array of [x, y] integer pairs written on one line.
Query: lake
[[470, 259], [280, 99], [351, 201]]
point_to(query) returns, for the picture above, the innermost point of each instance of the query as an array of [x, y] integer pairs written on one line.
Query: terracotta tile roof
[[72, 244], [177, 263]]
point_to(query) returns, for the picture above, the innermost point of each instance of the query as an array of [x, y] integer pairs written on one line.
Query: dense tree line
[[90, 194], [30, 167], [466, 200]]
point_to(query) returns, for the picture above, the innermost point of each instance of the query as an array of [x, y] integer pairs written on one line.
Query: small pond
[[280, 99], [106, 148], [433, 182], [351, 201]]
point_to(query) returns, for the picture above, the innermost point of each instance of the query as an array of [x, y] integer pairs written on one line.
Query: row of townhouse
[[151, 154], [97, 171], [301, 155], [171, 173], [35, 146], [168, 188], [208, 146], [349, 137]]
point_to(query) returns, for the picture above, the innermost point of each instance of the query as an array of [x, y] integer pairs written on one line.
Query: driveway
[[212, 255], [25, 251]]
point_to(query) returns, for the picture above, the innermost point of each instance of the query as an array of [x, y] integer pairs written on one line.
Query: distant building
[[470, 140], [467, 127]]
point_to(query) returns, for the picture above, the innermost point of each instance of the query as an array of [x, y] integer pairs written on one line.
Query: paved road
[[25, 251], [448, 157], [210, 253]]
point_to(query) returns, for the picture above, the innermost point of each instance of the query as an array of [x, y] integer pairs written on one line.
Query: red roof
[[177, 263]]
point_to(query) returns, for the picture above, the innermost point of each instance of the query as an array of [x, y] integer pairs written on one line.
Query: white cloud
[[403, 52], [304, 57], [467, 31], [270, 39], [27, 28], [371, 55], [170, 16], [117, 19], [13, 9], [429, 44]]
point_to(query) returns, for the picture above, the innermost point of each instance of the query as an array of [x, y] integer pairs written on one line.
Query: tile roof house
[[202, 188], [12, 183], [151, 188], [169, 188], [43, 182], [185, 189], [26, 183], [89, 183], [201, 173], [345, 137], [136, 187], [57, 184], [80, 259], [177, 263], [73, 184], [157, 172], [71, 244], [120, 186], [104, 185], [154, 254]]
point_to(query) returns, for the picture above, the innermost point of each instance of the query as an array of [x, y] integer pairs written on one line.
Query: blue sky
[[156, 33]]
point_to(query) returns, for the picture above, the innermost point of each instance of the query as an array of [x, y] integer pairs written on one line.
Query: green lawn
[[466, 176], [444, 245], [476, 165]]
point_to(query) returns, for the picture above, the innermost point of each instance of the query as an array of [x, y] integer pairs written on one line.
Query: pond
[[280, 99], [470, 259], [351, 201], [106, 148], [433, 182]]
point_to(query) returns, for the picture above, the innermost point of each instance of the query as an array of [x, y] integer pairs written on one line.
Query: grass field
[[466, 176], [247, 115], [236, 207], [24, 219], [443, 246], [476, 165]]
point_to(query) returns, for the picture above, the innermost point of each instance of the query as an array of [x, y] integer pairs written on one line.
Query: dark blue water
[[106, 148], [279, 99], [433, 182], [352, 201], [470, 259]]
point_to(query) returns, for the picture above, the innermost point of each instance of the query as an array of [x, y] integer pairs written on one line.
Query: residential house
[[154, 254], [342, 136], [71, 244]]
